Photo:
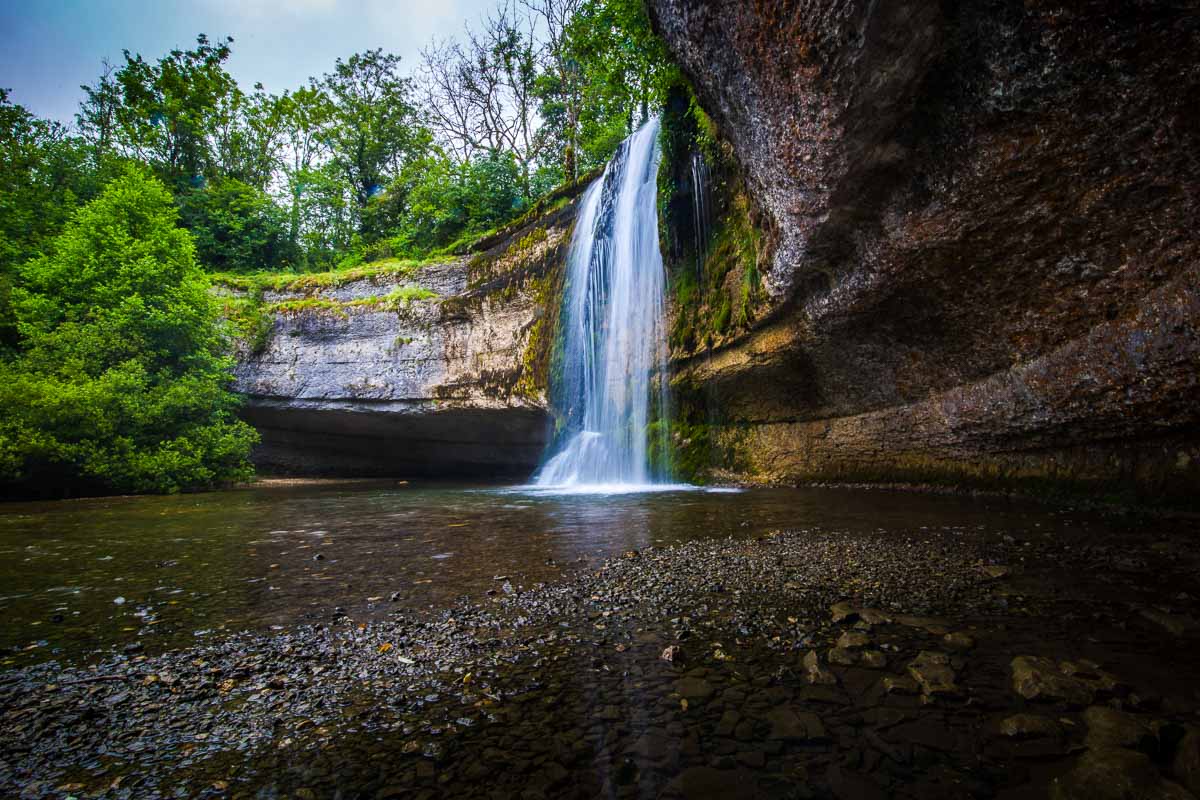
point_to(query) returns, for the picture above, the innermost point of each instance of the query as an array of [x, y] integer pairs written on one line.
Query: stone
[[873, 616], [1108, 727], [900, 684], [672, 653], [789, 725], [815, 673], [727, 723], [841, 656], [1029, 726], [694, 688], [1185, 766], [844, 612], [1174, 624], [937, 627], [873, 659], [851, 640], [1115, 774], [708, 783], [608, 714], [958, 641], [1038, 678], [932, 671], [653, 745]]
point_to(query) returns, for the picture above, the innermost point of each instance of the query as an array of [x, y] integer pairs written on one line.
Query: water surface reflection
[[159, 571]]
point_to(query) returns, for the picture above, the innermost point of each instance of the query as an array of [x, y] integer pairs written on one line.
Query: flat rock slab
[[934, 674], [694, 688], [1108, 727], [1028, 726], [709, 783], [1075, 683], [789, 725], [1116, 774]]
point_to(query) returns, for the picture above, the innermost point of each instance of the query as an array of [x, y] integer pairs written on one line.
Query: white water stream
[[613, 373]]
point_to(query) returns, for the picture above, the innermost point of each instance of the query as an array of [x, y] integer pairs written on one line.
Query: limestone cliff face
[[356, 379], [981, 239]]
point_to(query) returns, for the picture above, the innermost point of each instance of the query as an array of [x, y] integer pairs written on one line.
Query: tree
[[120, 383], [168, 113], [482, 96], [237, 227], [558, 86], [624, 70], [250, 129], [304, 115], [44, 173], [373, 130]]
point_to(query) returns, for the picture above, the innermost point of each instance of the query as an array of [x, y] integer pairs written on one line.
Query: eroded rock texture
[[450, 385], [983, 238]]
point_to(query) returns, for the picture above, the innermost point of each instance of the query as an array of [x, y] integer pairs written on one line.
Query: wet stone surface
[[700, 670]]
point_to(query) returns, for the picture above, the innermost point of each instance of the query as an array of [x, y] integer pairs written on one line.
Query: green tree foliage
[[237, 228], [373, 132], [119, 383], [168, 114], [44, 173], [449, 201], [622, 74]]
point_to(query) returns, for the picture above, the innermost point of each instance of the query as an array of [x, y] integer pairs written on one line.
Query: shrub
[[119, 382]]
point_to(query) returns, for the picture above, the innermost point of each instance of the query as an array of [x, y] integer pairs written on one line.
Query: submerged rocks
[[1185, 767], [815, 673], [562, 689], [1029, 726], [932, 671], [1116, 774], [1108, 727], [1175, 624], [692, 688], [789, 725], [1075, 683]]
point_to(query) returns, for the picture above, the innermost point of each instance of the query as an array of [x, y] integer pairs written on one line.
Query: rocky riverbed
[[943, 662]]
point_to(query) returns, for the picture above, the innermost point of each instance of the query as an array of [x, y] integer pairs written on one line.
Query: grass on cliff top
[[313, 281], [252, 321], [394, 300]]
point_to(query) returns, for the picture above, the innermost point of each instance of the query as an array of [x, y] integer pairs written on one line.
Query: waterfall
[[700, 211], [613, 367]]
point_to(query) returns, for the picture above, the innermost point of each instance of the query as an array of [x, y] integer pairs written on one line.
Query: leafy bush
[[237, 228], [119, 382]]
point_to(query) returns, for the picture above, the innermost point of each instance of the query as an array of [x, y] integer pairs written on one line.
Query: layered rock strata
[[981, 240]]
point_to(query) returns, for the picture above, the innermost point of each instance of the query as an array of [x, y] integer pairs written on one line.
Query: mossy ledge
[[406, 368]]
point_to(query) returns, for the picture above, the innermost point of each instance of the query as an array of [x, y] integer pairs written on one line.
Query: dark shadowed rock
[[1108, 728], [789, 725], [1029, 726], [1116, 774], [707, 783], [978, 239]]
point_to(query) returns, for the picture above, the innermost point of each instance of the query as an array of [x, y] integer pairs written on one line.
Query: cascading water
[[614, 348]]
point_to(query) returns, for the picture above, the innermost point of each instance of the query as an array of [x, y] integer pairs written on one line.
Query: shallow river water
[[382, 640], [86, 575]]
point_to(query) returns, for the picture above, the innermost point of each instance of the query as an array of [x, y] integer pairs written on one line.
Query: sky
[[49, 47]]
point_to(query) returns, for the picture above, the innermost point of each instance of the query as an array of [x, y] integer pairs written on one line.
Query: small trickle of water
[[700, 210], [614, 345]]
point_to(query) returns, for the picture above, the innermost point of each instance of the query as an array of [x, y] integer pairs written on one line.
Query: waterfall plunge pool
[[190, 567]]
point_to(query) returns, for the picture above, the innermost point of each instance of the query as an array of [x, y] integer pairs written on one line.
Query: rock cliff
[[437, 370], [980, 241]]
